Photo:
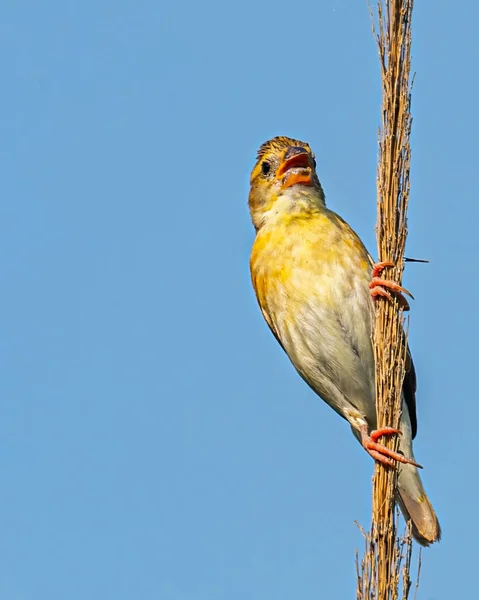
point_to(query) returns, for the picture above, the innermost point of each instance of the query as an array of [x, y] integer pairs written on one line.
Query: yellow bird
[[315, 283]]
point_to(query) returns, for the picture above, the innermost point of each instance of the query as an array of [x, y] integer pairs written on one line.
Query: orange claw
[[381, 453], [378, 285], [379, 267]]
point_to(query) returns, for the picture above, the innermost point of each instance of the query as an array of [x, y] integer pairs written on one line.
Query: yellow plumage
[[311, 275]]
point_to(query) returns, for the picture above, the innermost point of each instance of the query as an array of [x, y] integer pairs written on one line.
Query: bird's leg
[[380, 452], [378, 285]]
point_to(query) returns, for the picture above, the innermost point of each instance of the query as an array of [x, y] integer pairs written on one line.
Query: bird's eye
[[265, 167], [314, 161]]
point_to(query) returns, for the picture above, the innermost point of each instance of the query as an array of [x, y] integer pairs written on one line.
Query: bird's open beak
[[295, 168]]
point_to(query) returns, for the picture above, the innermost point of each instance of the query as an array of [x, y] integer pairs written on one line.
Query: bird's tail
[[416, 506], [411, 497]]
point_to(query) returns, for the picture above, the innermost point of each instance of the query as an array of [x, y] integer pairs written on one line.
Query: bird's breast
[[317, 259], [311, 280]]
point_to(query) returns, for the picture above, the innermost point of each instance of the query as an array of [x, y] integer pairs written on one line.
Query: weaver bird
[[315, 283]]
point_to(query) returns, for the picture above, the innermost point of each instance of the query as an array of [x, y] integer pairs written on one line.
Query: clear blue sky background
[[155, 441]]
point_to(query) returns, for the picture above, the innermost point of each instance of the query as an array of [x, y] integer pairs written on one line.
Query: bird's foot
[[378, 285], [381, 453]]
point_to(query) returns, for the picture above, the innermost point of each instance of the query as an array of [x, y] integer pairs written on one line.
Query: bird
[[316, 286]]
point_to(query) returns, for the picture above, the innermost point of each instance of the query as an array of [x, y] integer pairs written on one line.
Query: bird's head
[[284, 180]]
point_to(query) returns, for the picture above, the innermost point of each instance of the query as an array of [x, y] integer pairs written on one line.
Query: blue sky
[[155, 441]]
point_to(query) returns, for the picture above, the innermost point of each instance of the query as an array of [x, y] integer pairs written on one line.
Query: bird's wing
[[271, 326], [409, 390]]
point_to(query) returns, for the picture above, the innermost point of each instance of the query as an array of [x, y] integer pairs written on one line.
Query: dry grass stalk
[[368, 571], [379, 575]]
